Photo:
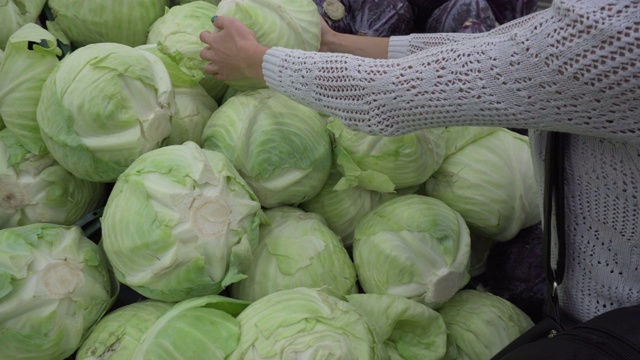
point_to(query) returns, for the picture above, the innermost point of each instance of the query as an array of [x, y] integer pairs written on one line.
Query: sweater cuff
[[398, 46], [270, 65]]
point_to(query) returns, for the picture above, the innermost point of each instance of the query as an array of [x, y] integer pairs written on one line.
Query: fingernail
[[213, 18]]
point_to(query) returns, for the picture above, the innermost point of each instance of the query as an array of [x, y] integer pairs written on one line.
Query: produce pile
[[149, 211]]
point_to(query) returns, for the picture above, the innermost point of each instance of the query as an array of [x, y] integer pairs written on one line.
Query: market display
[[148, 211]]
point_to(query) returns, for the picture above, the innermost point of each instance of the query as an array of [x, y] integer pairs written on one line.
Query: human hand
[[233, 52], [326, 36]]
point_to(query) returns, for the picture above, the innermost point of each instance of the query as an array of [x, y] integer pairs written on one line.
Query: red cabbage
[[380, 18], [454, 14], [507, 10]]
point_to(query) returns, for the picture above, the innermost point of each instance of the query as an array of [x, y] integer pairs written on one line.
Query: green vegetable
[[180, 222], [31, 56], [293, 24], [54, 286], [97, 21], [415, 247], [280, 147], [36, 189], [198, 328], [409, 330], [305, 323], [343, 209], [384, 163], [177, 35], [102, 107], [480, 324], [296, 249], [14, 14], [489, 181]]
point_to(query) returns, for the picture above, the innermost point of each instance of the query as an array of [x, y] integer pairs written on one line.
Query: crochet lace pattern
[[572, 67]]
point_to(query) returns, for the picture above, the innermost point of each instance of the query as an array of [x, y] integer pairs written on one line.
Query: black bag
[[614, 335]]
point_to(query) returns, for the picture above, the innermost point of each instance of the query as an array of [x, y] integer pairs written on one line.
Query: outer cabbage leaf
[[31, 56], [102, 107], [54, 286], [296, 249], [98, 21], [413, 246], [293, 24], [280, 147], [180, 222]]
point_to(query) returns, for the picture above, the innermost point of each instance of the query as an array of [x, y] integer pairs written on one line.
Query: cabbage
[[343, 209], [193, 106], [102, 107], [412, 246], [481, 324], [158, 330], [408, 329], [31, 56], [125, 22], [293, 24], [296, 249], [489, 180], [55, 285], [383, 163], [180, 222], [177, 35], [305, 323], [280, 147], [36, 189], [14, 14]]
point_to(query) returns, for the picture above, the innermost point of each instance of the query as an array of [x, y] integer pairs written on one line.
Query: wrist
[[254, 66]]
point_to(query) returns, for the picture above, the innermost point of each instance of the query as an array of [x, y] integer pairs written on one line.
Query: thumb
[[219, 21]]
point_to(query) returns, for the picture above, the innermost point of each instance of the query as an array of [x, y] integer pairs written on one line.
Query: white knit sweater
[[572, 68]]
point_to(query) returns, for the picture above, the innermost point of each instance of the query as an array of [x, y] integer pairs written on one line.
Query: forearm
[[364, 46]]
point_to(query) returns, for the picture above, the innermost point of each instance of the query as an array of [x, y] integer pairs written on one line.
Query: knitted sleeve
[[573, 67]]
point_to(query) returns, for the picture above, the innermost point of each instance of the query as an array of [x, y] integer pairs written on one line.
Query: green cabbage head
[[280, 147], [180, 222], [36, 189], [54, 286], [489, 180], [304, 323], [481, 324], [198, 328], [124, 22], [14, 14], [104, 106], [413, 246], [292, 24], [296, 249]]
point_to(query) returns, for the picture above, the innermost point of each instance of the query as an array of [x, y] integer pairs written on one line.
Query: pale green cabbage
[[489, 180], [412, 246], [296, 249], [180, 222], [54, 286], [24, 72], [102, 107], [193, 107], [408, 329], [14, 14], [36, 189], [305, 323], [177, 35], [293, 24], [280, 147], [198, 328], [125, 22], [386, 163], [481, 324]]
